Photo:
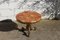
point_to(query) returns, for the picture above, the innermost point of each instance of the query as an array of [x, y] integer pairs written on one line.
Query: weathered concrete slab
[[46, 30]]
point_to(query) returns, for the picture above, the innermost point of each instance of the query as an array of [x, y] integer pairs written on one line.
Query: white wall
[[9, 8]]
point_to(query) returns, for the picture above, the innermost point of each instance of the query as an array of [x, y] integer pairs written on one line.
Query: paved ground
[[46, 30]]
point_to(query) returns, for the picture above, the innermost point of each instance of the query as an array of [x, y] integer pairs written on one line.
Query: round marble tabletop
[[28, 17]]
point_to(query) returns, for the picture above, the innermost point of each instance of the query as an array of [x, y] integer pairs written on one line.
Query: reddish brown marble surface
[[28, 17]]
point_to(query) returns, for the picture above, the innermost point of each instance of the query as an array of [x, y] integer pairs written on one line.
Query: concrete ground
[[46, 30]]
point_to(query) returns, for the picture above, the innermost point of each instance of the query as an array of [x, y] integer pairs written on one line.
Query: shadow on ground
[[7, 25]]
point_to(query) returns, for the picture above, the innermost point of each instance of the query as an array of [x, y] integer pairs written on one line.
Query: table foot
[[34, 28]]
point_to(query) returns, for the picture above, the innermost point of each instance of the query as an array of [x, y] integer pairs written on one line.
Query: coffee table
[[28, 18]]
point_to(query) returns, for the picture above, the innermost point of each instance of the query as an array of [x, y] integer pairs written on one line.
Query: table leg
[[28, 28]]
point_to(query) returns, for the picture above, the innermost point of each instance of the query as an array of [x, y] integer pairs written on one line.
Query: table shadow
[[23, 30], [7, 25]]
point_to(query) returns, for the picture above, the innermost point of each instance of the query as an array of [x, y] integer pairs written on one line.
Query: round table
[[28, 17]]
